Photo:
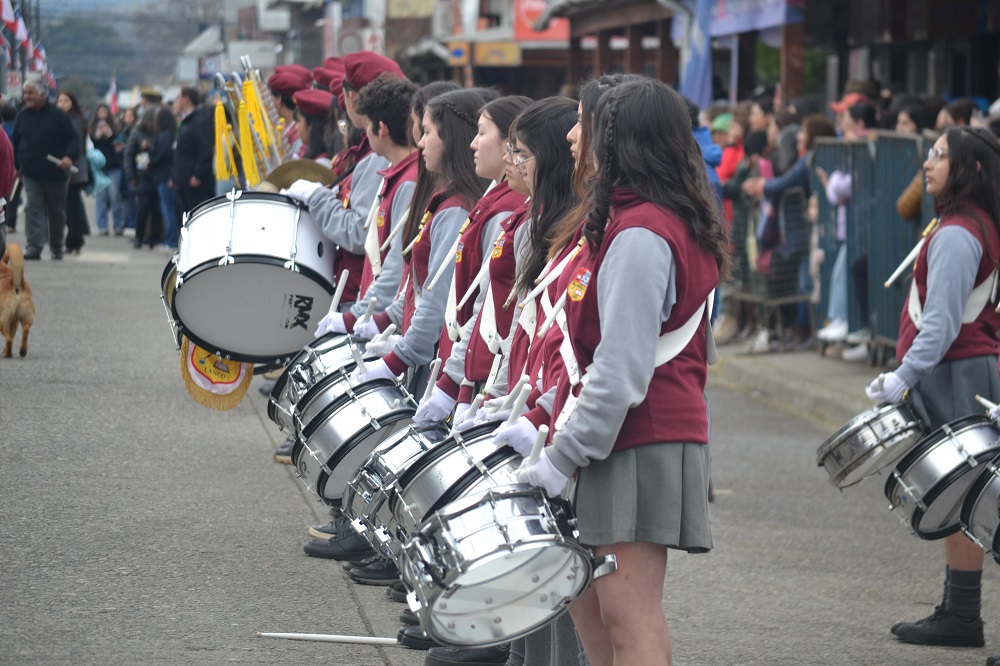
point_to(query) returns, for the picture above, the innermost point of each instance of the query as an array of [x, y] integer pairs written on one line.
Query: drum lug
[[227, 259], [290, 264], [412, 602], [607, 564], [975, 540], [358, 526]]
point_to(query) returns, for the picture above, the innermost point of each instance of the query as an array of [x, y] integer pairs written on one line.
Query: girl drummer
[[944, 361], [655, 248], [444, 194]]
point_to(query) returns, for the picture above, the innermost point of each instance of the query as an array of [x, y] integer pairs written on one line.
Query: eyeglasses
[[936, 154], [515, 156]]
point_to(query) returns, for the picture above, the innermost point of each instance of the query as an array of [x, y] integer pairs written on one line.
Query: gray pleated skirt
[[948, 393], [656, 493]]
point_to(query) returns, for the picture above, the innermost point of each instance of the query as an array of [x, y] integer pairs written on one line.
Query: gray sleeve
[[386, 285], [625, 358], [417, 346], [952, 263], [546, 400], [345, 226]]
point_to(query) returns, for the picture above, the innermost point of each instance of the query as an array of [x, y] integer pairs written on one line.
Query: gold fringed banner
[[212, 381]]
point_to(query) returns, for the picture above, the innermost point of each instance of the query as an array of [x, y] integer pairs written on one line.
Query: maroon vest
[[674, 408], [978, 338], [405, 171], [354, 263]]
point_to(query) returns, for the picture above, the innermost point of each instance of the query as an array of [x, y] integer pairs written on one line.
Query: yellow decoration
[[225, 163], [250, 170], [212, 381]]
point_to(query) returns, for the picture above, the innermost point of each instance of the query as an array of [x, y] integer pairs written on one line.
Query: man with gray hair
[[45, 146]]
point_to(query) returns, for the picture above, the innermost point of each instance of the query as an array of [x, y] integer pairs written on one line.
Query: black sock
[[947, 580], [964, 593]]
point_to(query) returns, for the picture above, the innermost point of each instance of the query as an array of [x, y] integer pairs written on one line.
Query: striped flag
[[113, 96], [7, 15], [20, 30]]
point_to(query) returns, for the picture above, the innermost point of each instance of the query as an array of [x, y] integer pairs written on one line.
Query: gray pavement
[[140, 527]]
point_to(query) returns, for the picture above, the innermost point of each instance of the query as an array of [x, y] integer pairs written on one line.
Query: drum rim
[[438, 452], [309, 429], [347, 447], [266, 259], [840, 437], [321, 385], [456, 490], [931, 440], [972, 496], [244, 195], [279, 384]]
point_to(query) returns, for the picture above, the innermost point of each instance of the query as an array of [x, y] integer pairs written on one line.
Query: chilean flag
[[8, 16], [20, 30], [113, 96]]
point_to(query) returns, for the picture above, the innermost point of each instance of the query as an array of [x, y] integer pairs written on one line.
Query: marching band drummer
[[342, 213], [283, 84], [639, 432], [312, 106], [444, 194], [480, 240], [948, 344]]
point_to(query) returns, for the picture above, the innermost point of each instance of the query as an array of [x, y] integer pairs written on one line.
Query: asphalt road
[[139, 527]]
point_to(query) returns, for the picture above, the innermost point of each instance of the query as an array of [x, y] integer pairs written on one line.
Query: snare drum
[[981, 510], [928, 486], [322, 357], [368, 494], [254, 276], [870, 442], [342, 434], [495, 566], [460, 465]]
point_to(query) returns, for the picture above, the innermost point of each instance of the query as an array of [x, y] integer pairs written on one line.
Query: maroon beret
[[363, 67], [313, 102], [333, 62], [286, 83], [323, 77], [301, 70]]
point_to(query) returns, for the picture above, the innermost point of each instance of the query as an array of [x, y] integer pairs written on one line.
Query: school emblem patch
[[380, 218], [578, 287], [458, 252], [498, 248]]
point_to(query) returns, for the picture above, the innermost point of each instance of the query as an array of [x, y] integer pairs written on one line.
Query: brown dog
[[16, 304]]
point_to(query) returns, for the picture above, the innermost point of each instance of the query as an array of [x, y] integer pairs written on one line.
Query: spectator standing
[[192, 176], [129, 118], [9, 113], [148, 217], [104, 133], [76, 215], [41, 131], [161, 162]]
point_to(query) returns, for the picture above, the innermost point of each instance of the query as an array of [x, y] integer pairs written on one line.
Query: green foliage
[[769, 67]]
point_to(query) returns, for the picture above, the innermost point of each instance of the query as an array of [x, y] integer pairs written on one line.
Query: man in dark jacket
[[192, 176], [45, 146]]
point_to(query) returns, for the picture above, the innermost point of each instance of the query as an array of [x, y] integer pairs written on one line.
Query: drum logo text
[[300, 307]]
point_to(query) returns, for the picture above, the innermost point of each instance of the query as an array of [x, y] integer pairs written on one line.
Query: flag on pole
[[696, 79], [113, 96], [7, 15], [20, 30]]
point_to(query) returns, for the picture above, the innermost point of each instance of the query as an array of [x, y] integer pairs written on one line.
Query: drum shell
[[981, 510], [237, 294], [447, 472], [341, 436], [375, 484], [874, 440], [495, 566], [937, 474]]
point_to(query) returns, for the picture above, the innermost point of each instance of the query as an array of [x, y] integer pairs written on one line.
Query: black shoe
[[993, 661], [119, 232], [408, 618], [331, 529], [487, 656], [415, 639], [57, 256], [942, 628], [379, 571], [32, 256], [398, 591], [347, 546], [283, 455]]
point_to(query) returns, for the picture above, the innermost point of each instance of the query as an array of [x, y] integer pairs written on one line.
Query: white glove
[[520, 436], [333, 322], [376, 370], [435, 407], [995, 414], [366, 330], [887, 387], [460, 412], [301, 190], [543, 474], [383, 347]]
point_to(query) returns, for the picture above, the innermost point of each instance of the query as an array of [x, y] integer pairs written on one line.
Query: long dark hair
[[110, 120], [165, 121], [583, 176], [542, 129], [973, 171], [503, 110], [316, 144], [643, 141], [454, 115]]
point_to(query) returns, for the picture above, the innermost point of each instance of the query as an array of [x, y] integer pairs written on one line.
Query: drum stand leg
[[334, 638]]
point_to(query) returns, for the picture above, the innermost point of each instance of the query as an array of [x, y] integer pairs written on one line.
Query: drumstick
[[368, 312], [536, 450], [384, 335], [356, 353], [986, 403], [474, 406], [515, 411], [435, 368], [477, 282], [331, 638], [373, 211], [550, 277], [906, 262], [341, 286], [514, 393], [556, 309], [56, 160], [395, 230]]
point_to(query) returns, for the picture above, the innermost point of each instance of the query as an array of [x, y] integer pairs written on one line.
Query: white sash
[[979, 298]]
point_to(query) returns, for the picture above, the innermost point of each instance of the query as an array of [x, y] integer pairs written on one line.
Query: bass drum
[[254, 276], [928, 486]]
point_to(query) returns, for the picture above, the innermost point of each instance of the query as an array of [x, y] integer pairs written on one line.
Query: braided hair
[[643, 142]]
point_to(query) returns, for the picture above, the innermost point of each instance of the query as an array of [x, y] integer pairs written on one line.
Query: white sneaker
[[835, 331], [855, 354], [858, 337], [759, 343]]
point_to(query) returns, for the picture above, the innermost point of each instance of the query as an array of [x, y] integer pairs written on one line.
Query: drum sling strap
[[981, 295], [372, 244]]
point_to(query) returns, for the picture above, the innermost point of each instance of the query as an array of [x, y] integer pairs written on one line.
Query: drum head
[[254, 310]]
